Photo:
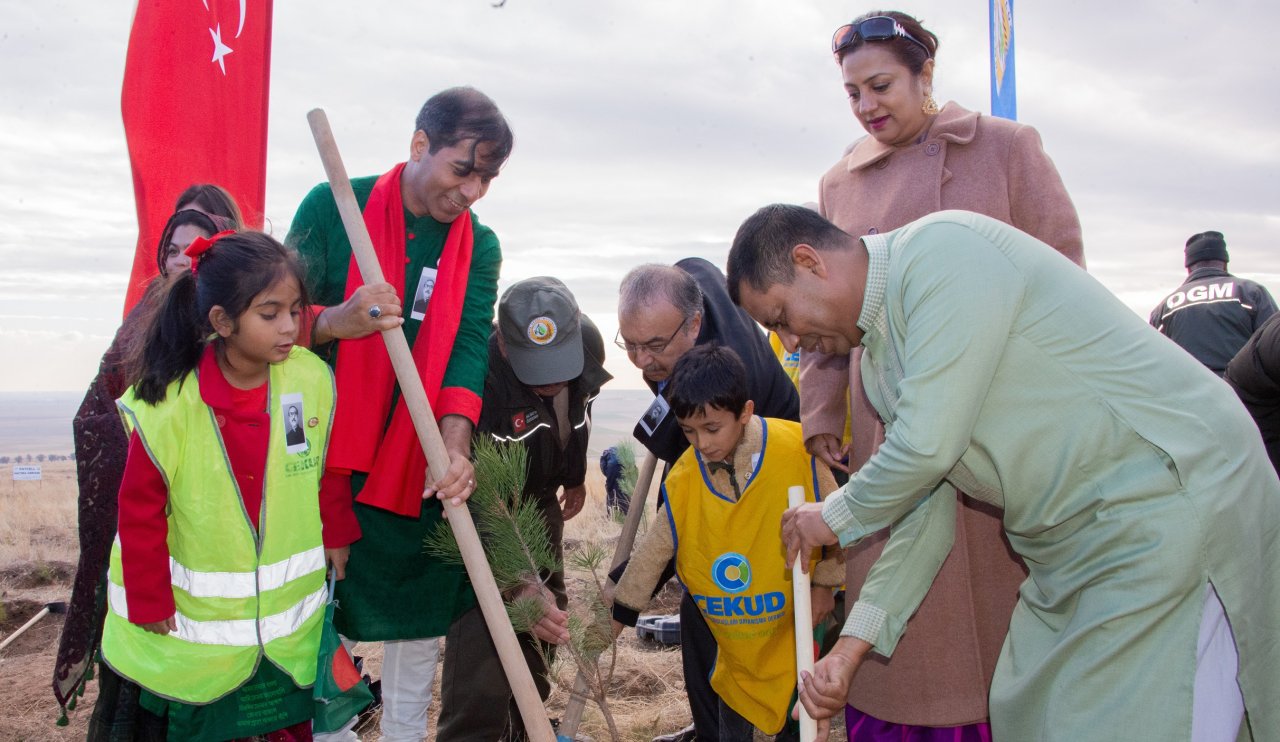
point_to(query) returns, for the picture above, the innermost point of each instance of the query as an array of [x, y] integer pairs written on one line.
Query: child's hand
[[337, 560], [166, 626]]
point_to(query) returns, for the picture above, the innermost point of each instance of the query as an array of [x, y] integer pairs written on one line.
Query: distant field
[[37, 422], [40, 422]]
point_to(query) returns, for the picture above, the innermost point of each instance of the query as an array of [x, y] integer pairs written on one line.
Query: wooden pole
[[577, 704], [804, 621], [532, 711], [58, 607]]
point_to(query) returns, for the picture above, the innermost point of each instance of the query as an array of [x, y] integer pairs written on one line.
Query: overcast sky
[[646, 131]]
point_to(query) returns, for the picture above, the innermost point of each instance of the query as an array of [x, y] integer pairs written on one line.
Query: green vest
[[239, 594], [730, 557]]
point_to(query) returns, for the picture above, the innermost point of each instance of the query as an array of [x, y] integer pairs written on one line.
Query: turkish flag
[[196, 81]]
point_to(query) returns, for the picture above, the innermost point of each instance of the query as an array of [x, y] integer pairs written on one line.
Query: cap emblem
[[542, 330]]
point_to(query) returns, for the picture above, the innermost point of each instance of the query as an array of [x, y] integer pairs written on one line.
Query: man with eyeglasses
[[663, 312]]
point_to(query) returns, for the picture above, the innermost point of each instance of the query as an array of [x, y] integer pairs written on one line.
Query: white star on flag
[[220, 49]]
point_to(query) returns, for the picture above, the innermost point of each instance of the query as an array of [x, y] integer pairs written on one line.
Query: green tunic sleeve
[[950, 338]]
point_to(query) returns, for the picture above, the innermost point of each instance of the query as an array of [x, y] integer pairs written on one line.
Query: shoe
[[688, 734]]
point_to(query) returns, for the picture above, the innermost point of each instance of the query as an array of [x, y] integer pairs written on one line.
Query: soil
[[28, 711]]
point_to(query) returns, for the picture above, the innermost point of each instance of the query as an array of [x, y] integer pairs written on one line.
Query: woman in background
[[916, 159], [101, 446]]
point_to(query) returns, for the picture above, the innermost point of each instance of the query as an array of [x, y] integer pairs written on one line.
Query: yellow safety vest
[[730, 558], [239, 594]]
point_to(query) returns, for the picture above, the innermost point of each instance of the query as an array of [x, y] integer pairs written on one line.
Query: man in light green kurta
[[1132, 481]]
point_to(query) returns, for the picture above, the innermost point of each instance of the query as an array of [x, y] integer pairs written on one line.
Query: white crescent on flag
[[240, 27]]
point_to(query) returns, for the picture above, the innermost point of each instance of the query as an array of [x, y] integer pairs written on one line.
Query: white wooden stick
[[532, 712], [804, 621]]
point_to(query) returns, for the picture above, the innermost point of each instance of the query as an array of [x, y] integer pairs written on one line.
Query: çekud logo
[[731, 572], [542, 330]]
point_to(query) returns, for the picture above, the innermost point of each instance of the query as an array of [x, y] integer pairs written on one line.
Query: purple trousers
[[865, 728]]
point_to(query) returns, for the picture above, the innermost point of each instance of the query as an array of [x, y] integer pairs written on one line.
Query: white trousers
[[408, 673], [1217, 710]]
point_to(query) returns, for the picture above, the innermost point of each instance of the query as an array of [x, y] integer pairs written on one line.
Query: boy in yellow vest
[[723, 503]]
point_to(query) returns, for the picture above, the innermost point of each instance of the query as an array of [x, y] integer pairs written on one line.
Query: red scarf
[[362, 440]]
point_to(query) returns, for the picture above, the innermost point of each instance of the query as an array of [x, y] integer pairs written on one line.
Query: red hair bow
[[200, 245]]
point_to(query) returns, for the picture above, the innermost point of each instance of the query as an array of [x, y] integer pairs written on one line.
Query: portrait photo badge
[[422, 294], [294, 416], [656, 413]]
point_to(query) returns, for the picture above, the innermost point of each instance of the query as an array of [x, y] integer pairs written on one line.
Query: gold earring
[[930, 106]]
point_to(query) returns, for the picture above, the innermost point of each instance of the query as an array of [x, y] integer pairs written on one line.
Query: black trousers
[[698, 655]]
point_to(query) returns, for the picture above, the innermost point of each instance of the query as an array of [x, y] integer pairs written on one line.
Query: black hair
[[180, 219], [761, 251], [462, 113], [229, 274], [709, 375], [213, 200], [908, 52]]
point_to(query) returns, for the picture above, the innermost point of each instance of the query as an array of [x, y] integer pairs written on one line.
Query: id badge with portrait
[[656, 413], [422, 294], [294, 415]]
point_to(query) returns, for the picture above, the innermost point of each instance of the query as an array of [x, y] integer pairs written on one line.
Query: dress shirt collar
[[872, 317]]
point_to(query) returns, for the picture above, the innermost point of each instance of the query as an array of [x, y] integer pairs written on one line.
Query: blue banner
[[1004, 88]]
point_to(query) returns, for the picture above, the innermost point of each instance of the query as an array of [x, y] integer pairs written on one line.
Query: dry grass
[[38, 519], [38, 550]]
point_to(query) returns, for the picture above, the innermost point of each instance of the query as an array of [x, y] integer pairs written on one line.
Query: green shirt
[[318, 235], [394, 589], [1129, 477]]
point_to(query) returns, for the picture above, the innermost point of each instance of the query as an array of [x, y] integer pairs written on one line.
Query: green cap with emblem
[[541, 328]]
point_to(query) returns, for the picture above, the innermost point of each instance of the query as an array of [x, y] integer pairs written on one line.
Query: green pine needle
[[514, 533], [627, 457]]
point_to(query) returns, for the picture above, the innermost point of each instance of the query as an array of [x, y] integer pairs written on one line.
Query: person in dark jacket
[[1213, 313], [663, 312], [546, 365], [1255, 375], [611, 467]]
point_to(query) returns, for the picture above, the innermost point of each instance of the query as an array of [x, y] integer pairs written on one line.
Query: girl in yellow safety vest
[[216, 580]]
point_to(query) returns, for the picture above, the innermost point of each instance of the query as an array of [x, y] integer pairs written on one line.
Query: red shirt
[[246, 430]]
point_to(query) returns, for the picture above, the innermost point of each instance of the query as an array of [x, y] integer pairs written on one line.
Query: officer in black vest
[[1213, 313]]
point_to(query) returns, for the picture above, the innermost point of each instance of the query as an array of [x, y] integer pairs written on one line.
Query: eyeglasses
[[653, 348], [875, 28]]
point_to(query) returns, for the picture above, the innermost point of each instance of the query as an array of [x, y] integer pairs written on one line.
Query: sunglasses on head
[[875, 28]]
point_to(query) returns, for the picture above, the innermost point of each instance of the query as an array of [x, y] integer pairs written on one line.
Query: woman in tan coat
[[917, 159]]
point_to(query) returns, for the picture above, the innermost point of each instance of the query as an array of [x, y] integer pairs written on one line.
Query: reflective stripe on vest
[[237, 633], [244, 584]]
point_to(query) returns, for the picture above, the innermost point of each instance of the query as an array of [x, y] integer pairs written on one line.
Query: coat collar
[[953, 124]]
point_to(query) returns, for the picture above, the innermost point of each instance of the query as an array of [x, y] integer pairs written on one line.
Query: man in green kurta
[[429, 245], [1131, 480]]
